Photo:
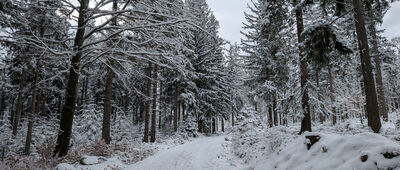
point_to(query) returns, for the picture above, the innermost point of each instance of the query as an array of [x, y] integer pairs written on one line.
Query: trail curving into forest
[[211, 153]]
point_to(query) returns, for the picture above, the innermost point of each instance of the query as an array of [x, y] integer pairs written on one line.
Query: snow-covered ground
[[341, 146], [211, 153], [334, 151], [253, 145]]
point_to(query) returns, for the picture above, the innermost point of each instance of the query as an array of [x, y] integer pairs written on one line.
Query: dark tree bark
[[176, 110], [369, 85], [222, 125], [147, 112], [12, 116], [108, 92], [383, 108], [306, 122], [154, 114], [216, 123], [2, 103], [213, 126], [183, 112], [69, 107], [179, 112], [162, 108], [233, 119], [18, 108], [126, 103], [275, 111], [107, 106], [270, 121], [33, 110]]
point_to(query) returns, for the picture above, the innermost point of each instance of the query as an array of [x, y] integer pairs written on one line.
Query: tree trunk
[[18, 108], [306, 122], [84, 90], [126, 103], [383, 108], [275, 111], [162, 109], [332, 94], [369, 85], [216, 123], [67, 114], [109, 92], [154, 115], [222, 125], [176, 110], [147, 114], [213, 126], [183, 112], [33, 110], [179, 113], [107, 106], [233, 119], [321, 115], [2, 103], [270, 121]]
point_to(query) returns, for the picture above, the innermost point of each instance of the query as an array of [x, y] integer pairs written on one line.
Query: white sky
[[230, 16]]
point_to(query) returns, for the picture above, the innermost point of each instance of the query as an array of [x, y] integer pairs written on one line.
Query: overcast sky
[[230, 15]]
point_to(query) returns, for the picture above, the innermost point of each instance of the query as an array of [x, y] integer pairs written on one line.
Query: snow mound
[[91, 160], [65, 166], [94, 163], [364, 151]]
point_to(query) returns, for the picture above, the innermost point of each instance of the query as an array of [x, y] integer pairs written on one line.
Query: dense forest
[[84, 79]]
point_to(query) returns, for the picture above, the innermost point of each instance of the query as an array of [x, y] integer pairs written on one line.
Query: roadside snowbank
[[336, 152]]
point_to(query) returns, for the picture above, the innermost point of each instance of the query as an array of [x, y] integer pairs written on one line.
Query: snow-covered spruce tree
[[267, 63], [323, 50], [306, 121], [393, 50], [213, 98], [234, 65]]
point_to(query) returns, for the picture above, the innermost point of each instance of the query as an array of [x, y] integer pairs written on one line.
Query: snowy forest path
[[211, 153]]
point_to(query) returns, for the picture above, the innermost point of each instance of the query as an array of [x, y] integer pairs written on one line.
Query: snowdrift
[[316, 151]]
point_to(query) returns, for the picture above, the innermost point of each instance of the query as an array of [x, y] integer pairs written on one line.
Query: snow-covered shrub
[[129, 152], [5, 133], [204, 124], [121, 129], [87, 125], [189, 127], [247, 141], [398, 124], [252, 138], [275, 141], [44, 135], [19, 161], [45, 150]]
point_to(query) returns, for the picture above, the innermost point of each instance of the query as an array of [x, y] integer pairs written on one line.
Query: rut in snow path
[[209, 153]]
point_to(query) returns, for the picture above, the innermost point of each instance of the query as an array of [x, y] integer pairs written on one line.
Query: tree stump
[[313, 139], [364, 158]]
